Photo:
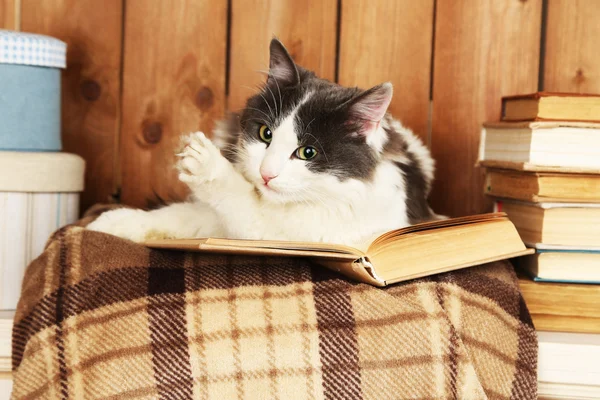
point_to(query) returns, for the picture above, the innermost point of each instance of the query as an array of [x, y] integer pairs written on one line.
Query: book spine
[[498, 206], [26, 222]]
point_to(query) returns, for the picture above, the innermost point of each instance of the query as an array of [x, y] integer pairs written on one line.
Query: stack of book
[[542, 165]]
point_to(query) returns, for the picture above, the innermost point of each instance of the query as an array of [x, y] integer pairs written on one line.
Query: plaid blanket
[[104, 318]]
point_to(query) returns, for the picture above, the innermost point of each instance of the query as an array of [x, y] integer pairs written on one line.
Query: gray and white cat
[[305, 160]]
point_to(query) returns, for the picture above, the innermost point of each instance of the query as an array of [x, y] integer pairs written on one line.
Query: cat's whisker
[[313, 198], [279, 91], [274, 100], [259, 120], [318, 141], [267, 103], [253, 89], [261, 111]]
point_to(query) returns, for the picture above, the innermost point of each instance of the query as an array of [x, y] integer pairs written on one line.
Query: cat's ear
[[369, 108], [282, 68]]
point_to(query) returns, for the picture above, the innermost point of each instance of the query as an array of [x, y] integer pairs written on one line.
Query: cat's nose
[[267, 177]]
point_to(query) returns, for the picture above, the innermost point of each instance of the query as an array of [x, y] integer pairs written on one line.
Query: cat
[[305, 160]]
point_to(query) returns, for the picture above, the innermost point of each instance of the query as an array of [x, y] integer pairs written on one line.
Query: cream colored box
[[39, 193]]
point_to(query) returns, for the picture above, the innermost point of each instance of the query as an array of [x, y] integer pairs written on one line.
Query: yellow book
[[562, 307], [537, 187], [555, 226], [403, 254], [548, 106]]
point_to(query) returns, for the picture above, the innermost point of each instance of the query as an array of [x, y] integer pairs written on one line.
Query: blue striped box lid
[[32, 49]]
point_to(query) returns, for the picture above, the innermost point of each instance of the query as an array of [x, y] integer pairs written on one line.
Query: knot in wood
[[152, 132], [579, 76], [204, 98], [90, 90]]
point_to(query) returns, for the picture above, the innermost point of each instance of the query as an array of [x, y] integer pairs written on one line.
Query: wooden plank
[[90, 84], [483, 50], [307, 29], [390, 41], [572, 59], [8, 14], [173, 83]]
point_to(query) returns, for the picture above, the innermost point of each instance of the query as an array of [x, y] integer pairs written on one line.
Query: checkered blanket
[[104, 318]]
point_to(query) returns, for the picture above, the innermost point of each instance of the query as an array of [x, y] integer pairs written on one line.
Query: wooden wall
[[140, 73], [8, 14]]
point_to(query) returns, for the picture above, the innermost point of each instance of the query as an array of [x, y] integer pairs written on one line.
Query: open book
[[412, 252]]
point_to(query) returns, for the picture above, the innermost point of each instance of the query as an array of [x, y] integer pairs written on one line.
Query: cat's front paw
[[123, 222], [200, 161]]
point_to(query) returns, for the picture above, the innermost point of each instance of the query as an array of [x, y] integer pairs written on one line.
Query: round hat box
[[30, 67], [37, 197]]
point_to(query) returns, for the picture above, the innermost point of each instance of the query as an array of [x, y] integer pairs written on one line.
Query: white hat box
[[39, 193]]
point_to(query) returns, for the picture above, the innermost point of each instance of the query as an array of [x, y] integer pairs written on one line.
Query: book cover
[[549, 106], [539, 187], [554, 225], [562, 307]]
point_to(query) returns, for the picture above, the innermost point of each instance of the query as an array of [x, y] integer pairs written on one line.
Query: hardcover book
[[568, 266], [572, 226], [538, 187], [412, 252], [562, 307], [572, 147], [544, 106]]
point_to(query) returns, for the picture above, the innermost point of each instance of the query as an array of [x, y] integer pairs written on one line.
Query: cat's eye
[[306, 152], [265, 134]]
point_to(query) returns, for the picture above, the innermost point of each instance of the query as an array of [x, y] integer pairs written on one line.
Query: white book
[[541, 146], [568, 365]]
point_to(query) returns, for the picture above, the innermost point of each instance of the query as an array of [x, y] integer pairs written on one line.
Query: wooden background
[[142, 72]]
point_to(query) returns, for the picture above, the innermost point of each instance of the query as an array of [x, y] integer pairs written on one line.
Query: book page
[[394, 235], [259, 247]]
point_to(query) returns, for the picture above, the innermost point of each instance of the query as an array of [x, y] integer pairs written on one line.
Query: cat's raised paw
[[200, 160]]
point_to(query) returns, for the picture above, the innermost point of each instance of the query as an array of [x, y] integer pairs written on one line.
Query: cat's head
[[303, 138]]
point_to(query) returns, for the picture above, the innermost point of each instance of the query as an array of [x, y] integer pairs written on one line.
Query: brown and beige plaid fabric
[[104, 318]]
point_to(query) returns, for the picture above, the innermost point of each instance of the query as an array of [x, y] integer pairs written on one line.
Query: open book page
[[284, 244], [260, 247], [426, 226]]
